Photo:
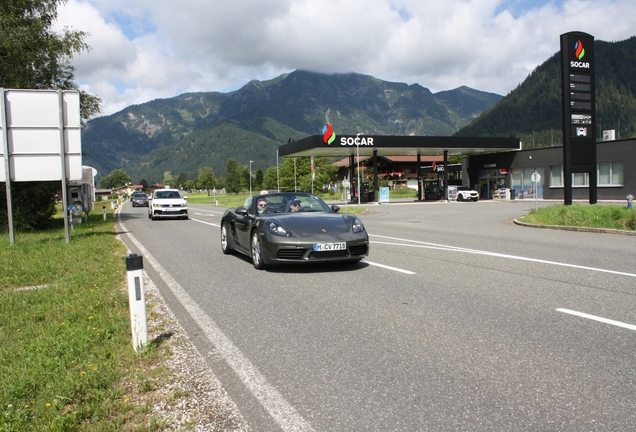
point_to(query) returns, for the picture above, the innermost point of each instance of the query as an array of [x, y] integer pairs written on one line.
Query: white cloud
[[145, 49]]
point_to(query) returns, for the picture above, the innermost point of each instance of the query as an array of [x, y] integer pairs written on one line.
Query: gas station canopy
[[387, 145]]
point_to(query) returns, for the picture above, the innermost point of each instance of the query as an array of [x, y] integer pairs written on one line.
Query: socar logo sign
[[579, 51], [328, 135]]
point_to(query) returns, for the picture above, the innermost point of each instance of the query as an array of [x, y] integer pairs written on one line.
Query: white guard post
[[137, 300]]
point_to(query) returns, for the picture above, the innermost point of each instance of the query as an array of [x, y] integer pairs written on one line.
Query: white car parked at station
[[167, 203], [464, 193]]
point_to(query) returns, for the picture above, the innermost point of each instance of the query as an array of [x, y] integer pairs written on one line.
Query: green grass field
[[67, 361]]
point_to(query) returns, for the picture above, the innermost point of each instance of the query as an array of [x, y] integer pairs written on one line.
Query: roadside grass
[[67, 361], [589, 216]]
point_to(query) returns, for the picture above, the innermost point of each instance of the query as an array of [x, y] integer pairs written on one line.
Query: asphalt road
[[458, 320]]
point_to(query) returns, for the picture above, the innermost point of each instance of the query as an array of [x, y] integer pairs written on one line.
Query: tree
[[244, 174], [206, 179], [32, 56], [232, 176], [190, 185], [115, 179], [270, 179], [179, 181], [258, 179], [167, 179]]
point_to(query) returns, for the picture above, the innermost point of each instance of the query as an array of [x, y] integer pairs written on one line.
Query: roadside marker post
[[137, 300]]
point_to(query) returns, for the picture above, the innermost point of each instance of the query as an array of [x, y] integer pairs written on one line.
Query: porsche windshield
[[290, 203]]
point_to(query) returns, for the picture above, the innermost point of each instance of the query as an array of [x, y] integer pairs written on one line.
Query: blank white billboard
[[31, 128]]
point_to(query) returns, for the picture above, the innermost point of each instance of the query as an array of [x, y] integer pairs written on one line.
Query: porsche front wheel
[[225, 239], [257, 251]]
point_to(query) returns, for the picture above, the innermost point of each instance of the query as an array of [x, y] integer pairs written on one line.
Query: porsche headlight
[[357, 226], [277, 229]]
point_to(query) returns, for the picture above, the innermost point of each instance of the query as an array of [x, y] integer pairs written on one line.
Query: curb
[[573, 228]]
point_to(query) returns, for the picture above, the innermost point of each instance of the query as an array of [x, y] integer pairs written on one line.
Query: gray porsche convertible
[[289, 228]]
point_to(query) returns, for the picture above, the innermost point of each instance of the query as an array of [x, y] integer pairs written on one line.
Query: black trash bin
[[512, 194]]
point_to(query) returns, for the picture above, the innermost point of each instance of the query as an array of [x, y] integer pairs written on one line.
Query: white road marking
[[205, 210], [494, 254], [207, 223], [599, 319], [268, 396], [389, 267]]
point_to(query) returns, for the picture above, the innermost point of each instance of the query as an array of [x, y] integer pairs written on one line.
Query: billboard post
[[579, 111], [41, 137], [7, 166]]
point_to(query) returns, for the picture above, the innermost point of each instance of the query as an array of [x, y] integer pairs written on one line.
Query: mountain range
[[184, 133]]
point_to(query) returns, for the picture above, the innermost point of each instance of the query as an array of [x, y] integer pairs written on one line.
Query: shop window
[[610, 174], [556, 176], [580, 179]]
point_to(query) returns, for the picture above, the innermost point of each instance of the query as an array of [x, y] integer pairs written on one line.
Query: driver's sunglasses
[[262, 205]]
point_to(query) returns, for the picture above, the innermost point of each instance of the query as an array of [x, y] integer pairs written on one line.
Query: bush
[[631, 220], [33, 205]]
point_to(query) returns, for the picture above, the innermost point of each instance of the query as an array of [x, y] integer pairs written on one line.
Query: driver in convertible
[[261, 206], [294, 206]]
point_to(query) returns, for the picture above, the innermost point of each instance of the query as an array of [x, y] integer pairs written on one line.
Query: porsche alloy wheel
[[257, 251], [225, 240]]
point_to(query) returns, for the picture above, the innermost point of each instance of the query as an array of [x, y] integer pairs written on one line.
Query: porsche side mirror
[[241, 211], [335, 208]]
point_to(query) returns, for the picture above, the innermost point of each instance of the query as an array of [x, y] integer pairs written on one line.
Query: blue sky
[[519, 8], [148, 49]]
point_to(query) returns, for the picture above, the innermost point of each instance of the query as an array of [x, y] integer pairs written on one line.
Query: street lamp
[[251, 178], [277, 174], [358, 158]]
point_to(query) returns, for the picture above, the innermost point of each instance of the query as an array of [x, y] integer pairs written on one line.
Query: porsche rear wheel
[[225, 239], [257, 251]]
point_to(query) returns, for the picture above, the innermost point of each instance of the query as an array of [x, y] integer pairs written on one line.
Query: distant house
[[104, 193], [128, 189]]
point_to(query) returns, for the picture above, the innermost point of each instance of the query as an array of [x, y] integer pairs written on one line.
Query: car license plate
[[321, 247], [172, 209]]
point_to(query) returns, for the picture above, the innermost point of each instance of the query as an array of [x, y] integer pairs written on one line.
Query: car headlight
[[277, 229], [357, 226]]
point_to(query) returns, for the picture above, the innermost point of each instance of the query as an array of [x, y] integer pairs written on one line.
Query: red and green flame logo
[[579, 51], [328, 135]]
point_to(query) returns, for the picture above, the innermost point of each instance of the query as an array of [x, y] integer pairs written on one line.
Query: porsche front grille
[[290, 254]]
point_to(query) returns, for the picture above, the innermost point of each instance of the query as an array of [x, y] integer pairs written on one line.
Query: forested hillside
[[533, 110]]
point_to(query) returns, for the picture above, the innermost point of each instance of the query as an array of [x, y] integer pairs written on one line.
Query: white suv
[[167, 203], [464, 193]]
